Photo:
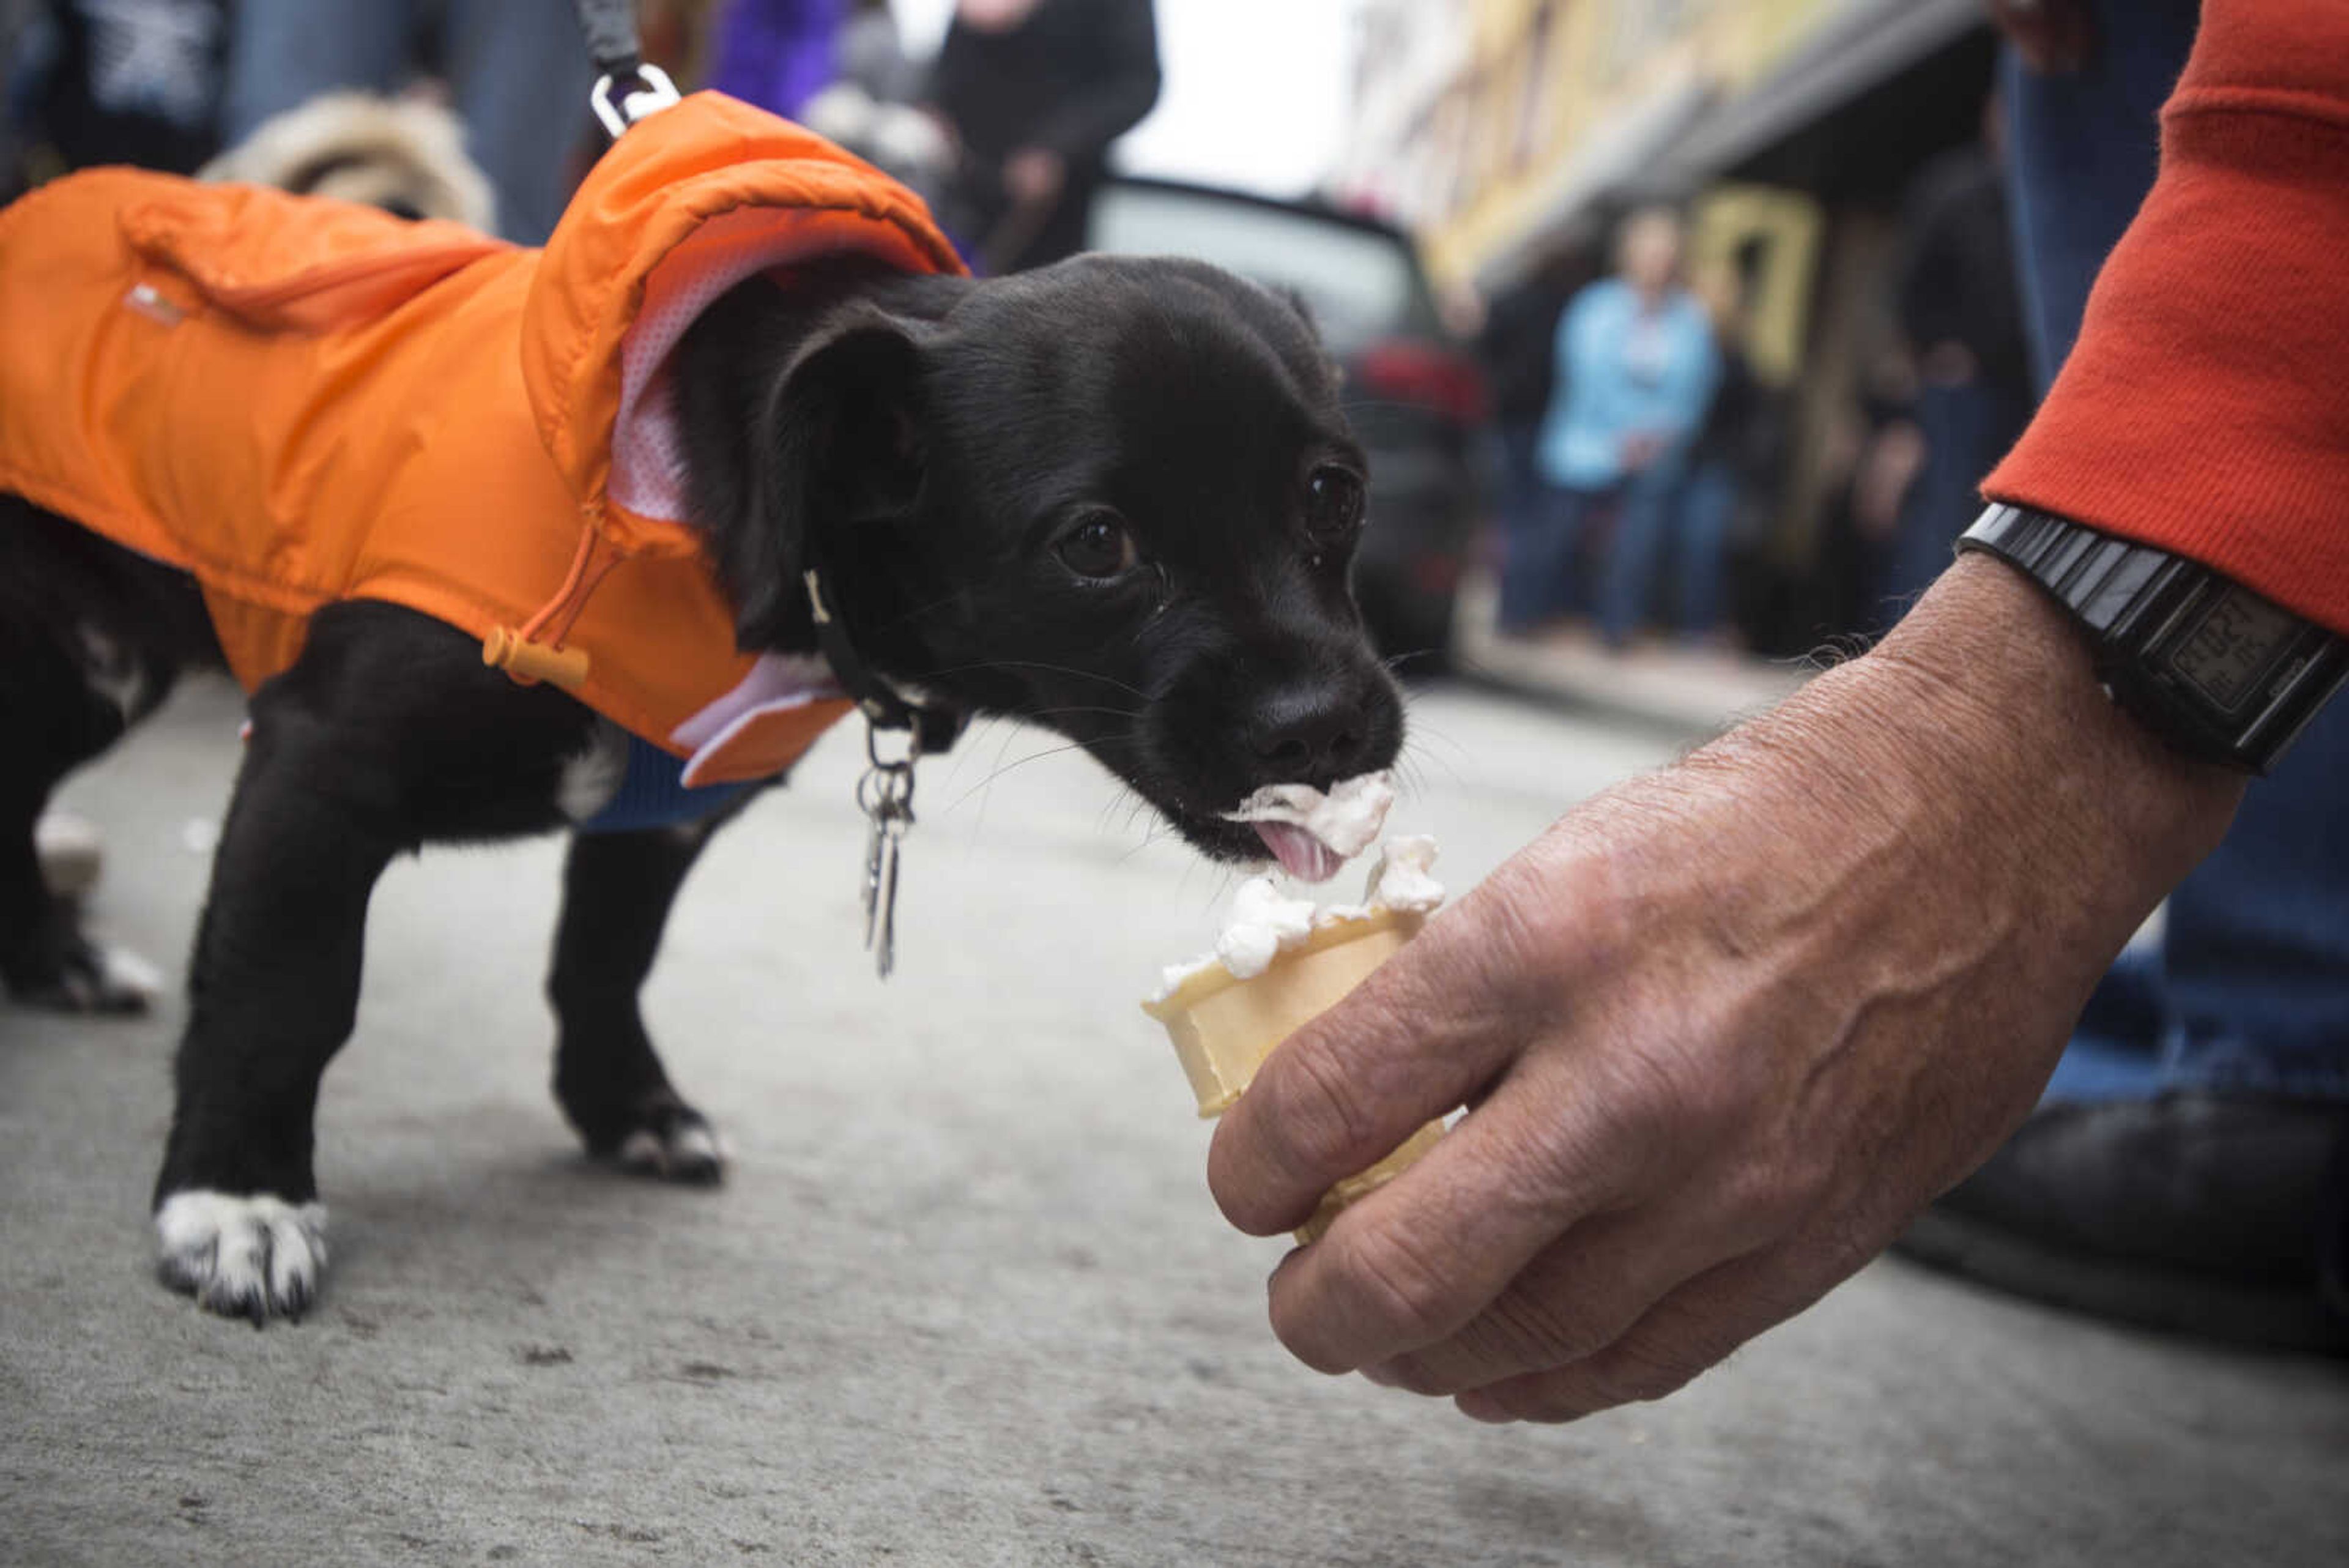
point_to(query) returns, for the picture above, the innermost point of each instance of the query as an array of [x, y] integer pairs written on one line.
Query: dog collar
[[933, 725], [885, 793]]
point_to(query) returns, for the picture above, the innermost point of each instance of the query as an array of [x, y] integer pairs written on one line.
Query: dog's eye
[[1333, 504], [1100, 546]]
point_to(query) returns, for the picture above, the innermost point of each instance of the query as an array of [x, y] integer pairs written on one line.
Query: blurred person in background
[[1888, 462], [778, 54], [1636, 370], [1033, 93], [867, 106], [114, 81], [104, 81], [517, 69], [1518, 345], [1732, 465], [873, 54], [1960, 309]]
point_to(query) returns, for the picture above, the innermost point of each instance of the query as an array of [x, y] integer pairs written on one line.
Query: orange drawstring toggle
[[527, 661]]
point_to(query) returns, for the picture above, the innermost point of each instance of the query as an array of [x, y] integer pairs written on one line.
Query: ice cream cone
[[1224, 1027]]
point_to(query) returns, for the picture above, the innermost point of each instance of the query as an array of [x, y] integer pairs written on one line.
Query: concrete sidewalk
[[964, 1299], [1698, 691]]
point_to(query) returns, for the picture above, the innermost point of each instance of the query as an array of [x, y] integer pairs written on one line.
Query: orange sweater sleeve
[[2205, 408]]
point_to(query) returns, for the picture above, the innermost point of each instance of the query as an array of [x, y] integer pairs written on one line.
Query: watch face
[[2234, 644]]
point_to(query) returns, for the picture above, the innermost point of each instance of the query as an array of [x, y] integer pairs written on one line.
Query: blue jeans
[[1522, 489], [1537, 569], [2248, 990], [2085, 150], [1703, 514], [519, 70], [1538, 580]]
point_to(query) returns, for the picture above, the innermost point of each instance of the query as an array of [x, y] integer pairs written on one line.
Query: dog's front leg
[[273, 994], [617, 892]]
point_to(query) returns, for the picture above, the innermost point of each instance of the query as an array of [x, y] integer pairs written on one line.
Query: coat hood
[[692, 200]]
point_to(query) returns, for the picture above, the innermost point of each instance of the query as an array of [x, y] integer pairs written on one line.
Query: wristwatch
[[2211, 667]]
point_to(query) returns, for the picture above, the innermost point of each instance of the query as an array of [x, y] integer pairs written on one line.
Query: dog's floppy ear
[[837, 444], [1294, 298]]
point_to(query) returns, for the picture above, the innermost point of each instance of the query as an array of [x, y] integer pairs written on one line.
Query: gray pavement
[[1656, 682], [964, 1299]]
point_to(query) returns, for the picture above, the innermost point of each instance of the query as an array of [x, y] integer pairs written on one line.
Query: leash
[[627, 89]]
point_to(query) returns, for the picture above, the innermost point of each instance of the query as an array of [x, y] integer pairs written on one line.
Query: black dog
[[1117, 497]]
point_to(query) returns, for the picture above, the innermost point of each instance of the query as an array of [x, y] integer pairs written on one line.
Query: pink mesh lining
[[648, 452], [776, 681]]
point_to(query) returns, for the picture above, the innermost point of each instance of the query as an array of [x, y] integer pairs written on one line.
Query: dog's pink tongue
[[1300, 854]]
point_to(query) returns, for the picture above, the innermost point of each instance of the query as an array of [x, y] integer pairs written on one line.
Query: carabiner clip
[[652, 92]]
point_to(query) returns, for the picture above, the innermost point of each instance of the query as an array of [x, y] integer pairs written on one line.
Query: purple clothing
[[778, 54]]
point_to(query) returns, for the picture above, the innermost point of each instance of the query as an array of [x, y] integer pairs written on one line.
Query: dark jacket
[[1074, 78], [1519, 347], [1959, 283]]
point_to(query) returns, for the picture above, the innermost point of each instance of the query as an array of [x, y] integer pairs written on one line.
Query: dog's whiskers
[[1398, 660], [1034, 713], [1032, 757], [993, 664]]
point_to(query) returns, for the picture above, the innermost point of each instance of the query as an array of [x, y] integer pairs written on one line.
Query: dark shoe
[[2220, 1217]]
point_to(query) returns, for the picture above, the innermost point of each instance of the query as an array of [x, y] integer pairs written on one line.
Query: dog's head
[[1116, 497]]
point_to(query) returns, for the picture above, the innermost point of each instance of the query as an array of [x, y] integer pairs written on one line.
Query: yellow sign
[[1558, 93], [1763, 243]]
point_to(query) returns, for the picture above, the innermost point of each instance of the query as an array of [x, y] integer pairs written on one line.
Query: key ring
[[886, 795]]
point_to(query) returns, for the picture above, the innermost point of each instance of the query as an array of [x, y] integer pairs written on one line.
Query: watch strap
[[2214, 669]]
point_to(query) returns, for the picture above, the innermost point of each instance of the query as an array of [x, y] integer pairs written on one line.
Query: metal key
[[880, 930], [886, 795]]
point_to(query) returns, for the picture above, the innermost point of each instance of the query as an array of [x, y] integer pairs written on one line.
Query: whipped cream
[[1399, 880], [1264, 922], [1347, 818]]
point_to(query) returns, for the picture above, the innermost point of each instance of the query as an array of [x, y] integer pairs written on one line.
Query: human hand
[[1949, 363], [1641, 450], [1888, 467], [1723, 1029], [1035, 176]]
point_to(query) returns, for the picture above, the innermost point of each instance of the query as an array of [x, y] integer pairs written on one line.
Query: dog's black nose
[[1315, 737]]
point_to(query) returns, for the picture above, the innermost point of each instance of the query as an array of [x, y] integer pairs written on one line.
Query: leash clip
[[649, 92]]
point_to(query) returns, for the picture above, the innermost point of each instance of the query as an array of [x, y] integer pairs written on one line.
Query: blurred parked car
[[1416, 399]]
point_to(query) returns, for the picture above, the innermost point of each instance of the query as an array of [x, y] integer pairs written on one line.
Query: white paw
[[253, 1257], [688, 1152]]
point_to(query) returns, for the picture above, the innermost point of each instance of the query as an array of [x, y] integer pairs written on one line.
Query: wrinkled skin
[[1724, 1029]]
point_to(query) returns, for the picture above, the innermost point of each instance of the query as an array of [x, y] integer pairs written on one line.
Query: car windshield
[[1360, 284]]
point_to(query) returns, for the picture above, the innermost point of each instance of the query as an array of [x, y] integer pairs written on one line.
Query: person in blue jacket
[[1637, 365]]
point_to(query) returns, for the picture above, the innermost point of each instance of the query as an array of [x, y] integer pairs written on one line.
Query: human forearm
[[2040, 736]]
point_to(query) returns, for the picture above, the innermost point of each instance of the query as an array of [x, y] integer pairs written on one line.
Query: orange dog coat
[[302, 401]]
